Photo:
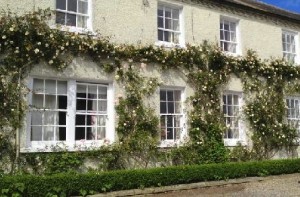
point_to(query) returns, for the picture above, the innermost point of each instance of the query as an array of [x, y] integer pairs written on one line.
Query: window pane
[[102, 106], [163, 107], [160, 22], [91, 120], [160, 35], [83, 7], [232, 37], [80, 133], [92, 106], [102, 92], [229, 97], [176, 25], [61, 134], [80, 119], [226, 26], [227, 35], [101, 121], [62, 118], [82, 21], [170, 134], [81, 104], [62, 87], [81, 89], [36, 133], [50, 86], [62, 102], [232, 26], [170, 96], [71, 20], [167, 36], [235, 99], [230, 113], [175, 14], [163, 95], [176, 38], [60, 18], [177, 107], [177, 94], [61, 4], [160, 11], [50, 101], [72, 5], [37, 101], [92, 91], [288, 38], [91, 133], [101, 133], [50, 118], [49, 133], [168, 23], [171, 107], [36, 118], [38, 85], [168, 12], [170, 121], [283, 38]]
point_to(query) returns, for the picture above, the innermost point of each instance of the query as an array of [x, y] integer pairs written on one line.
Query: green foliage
[[75, 184], [55, 162], [14, 190]]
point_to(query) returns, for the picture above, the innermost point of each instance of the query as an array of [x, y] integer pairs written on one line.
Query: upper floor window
[[232, 102], [73, 13], [228, 35], [293, 112], [169, 24], [171, 114], [289, 45], [69, 112]]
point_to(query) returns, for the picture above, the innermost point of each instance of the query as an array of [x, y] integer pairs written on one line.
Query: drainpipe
[[17, 143]]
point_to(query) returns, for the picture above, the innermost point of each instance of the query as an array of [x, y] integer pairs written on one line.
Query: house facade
[[77, 105]]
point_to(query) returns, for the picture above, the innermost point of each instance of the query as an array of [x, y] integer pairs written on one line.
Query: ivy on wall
[[26, 41]]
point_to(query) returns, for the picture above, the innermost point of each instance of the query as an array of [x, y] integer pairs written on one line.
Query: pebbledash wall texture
[[92, 94]]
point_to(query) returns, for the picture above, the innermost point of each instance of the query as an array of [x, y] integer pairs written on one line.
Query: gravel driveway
[[275, 186]]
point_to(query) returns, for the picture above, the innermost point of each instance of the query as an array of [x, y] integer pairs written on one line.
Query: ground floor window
[[171, 114], [69, 111], [232, 103], [293, 112]]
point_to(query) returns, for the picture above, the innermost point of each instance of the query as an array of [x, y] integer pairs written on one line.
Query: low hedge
[[75, 184]]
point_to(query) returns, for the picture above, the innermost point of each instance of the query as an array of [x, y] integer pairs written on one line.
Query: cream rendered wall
[[135, 22]]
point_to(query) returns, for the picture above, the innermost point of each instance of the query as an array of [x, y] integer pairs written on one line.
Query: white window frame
[[237, 43], [285, 53], [293, 119], [70, 143], [241, 128], [181, 42], [75, 28], [183, 119]]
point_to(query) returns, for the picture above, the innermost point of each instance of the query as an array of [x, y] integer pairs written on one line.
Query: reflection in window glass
[[170, 114]]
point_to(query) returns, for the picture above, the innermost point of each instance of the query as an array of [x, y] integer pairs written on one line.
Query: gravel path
[[273, 186]]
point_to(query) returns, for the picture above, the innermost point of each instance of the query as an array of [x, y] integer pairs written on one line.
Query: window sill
[[169, 143], [73, 29], [169, 45], [234, 142], [81, 145], [231, 54]]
